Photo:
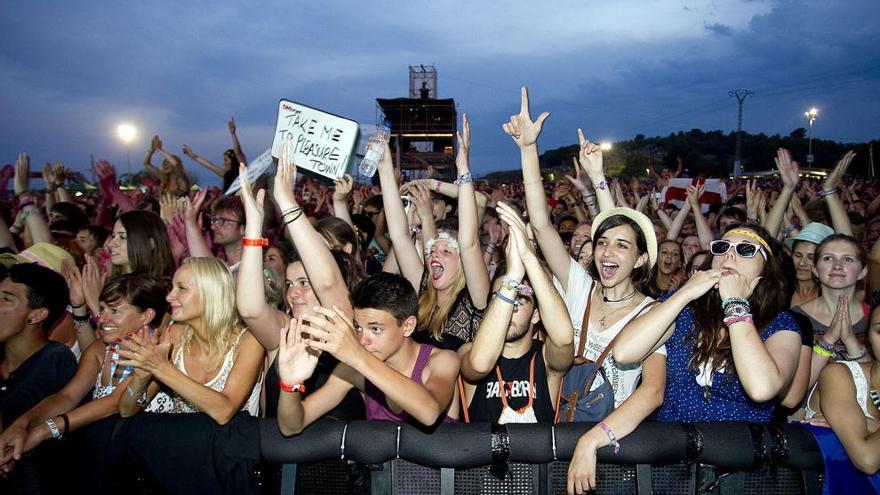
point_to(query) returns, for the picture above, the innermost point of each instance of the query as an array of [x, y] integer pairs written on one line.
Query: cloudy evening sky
[[71, 71]]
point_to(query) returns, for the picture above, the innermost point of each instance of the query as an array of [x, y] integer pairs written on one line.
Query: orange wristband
[[255, 242], [292, 388]]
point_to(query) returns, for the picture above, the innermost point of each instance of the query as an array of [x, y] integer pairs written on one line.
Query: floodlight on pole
[[605, 145], [127, 133], [811, 116]]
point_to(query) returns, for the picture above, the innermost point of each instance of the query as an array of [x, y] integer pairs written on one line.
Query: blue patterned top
[[685, 399]]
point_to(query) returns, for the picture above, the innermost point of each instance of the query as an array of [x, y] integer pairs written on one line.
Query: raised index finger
[[524, 105]]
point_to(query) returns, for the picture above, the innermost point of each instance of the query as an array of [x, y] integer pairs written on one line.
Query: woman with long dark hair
[[732, 347]]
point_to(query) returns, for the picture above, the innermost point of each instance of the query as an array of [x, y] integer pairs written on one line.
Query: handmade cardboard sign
[[320, 141]]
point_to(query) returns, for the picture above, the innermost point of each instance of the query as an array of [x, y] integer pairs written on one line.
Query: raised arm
[[250, 294], [559, 345], [475, 273], [479, 358], [644, 334], [192, 212], [203, 161], [235, 144], [408, 258], [155, 144], [790, 175], [839, 217], [341, 191], [320, 266], [525, 134], [680, 217], [704, 231], [590, 158]]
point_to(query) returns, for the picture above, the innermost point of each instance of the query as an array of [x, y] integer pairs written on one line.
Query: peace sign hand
[[521, 127]]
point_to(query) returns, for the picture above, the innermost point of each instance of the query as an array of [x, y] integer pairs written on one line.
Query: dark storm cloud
[[69, 74]]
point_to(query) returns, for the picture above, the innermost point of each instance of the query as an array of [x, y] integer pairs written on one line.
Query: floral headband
[[441, 236]]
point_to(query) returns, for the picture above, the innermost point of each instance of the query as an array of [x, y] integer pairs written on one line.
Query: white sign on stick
[[320, 142]]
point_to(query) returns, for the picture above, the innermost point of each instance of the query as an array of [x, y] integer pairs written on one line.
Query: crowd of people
[[430, 301]]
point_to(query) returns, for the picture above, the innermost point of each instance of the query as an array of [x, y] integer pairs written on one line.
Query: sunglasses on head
[[743, 249]]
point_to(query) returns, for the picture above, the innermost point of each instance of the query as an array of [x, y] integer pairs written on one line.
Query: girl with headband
[[732, 348]]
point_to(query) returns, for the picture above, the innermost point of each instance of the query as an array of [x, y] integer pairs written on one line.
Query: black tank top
[[351, 407], [486, 403]]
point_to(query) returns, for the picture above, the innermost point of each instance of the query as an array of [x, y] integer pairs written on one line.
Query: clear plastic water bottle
[[375, 150]]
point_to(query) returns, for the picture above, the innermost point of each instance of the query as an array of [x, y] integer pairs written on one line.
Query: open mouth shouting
[[437, 270], [608, 269]]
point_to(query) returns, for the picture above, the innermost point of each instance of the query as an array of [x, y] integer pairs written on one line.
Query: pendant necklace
[[604, 319]]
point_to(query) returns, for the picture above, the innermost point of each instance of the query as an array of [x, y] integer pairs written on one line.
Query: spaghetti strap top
[[374, 399]]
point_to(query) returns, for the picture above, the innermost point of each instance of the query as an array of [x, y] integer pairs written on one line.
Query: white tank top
[[861, 383]]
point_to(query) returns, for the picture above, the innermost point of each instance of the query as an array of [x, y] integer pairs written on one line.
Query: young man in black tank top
[[399, 377], [509, 377]]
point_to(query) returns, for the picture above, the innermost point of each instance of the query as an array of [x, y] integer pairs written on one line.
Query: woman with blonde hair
[[448, 314], [206, 358]]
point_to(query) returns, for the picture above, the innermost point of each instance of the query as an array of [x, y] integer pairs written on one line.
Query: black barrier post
[[447, 481], [643, 479], [382, 480]]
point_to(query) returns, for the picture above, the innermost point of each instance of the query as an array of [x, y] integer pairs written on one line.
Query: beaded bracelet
[[729, 300], [736, 309], [829, 192], [465, 178], [824, 345], [818, 349]]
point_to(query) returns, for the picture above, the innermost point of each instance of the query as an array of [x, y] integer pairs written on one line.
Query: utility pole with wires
[[741, 95]]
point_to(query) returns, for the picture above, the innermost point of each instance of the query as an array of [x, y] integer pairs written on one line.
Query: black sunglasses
[[743, 249]]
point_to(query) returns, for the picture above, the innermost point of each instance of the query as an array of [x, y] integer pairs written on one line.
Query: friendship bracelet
[[610, 434], [824, 345], [829, 192], [260, 242], [437, 187], [821, 351], [509, 283], [738, 319], [860, 356], [736, 309], [602, 184], [53, 429], [465, 178], [288, 222]]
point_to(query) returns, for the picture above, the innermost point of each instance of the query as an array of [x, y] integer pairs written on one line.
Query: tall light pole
[[811, 115], [127, 133], [741, 95]]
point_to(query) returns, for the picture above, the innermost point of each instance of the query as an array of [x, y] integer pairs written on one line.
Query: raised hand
[[693, 195], [464, 145], [155, 143], [106, 174], [296, 360], [736, 285], [517, 230], [231, 125], [253, 206], [188, 151], [22, 173], [285, 177], [834, 178], [48, 175], [788, 168], [192, 207], [590, 157], [342, 187], [751, 204], [92, 283], [74, 281], [577, 181], [333, 331], [521, 127], [700, 283]]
